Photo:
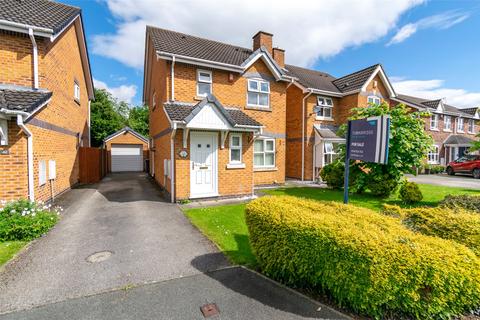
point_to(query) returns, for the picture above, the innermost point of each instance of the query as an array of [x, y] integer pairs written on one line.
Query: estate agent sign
[[367, 141]]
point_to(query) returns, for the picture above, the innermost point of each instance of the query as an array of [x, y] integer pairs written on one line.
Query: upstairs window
[[460, 124], [471, 126], [204, 83], [447, 120], [76, 91], [373, 100], [324, 109], [434, 122], [236, 148], [258, 93], [433, 155], [3, 132], [264, 153]]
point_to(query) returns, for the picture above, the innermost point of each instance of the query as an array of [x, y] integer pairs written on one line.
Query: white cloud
[[308, 30], [435, 89], [440, 21], [122, 93]]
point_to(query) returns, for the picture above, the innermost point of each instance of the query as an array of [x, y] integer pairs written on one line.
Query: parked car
[[469, 164]]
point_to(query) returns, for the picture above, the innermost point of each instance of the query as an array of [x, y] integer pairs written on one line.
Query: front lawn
[[8, 249], [225, 225]]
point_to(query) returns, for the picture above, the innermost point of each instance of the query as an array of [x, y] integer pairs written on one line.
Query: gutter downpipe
[[28, 133], [35, 58], [173, 78], [303, 132], [172, 163]]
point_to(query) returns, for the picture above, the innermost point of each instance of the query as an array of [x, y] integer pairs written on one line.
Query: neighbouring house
[[453, 129], [45, 92], [126, 151], [225, 119]]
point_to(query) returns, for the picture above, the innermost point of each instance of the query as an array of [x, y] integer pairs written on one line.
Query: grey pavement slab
[[238, 293], [149, 240]]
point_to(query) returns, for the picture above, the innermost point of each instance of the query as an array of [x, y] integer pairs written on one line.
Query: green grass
[[225, 225], [8, 249]]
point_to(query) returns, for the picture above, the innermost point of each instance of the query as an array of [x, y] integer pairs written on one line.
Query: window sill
[[236, 166], [447, 130], [258, 108], [324, 118], [434, 129], [263, 169], [199, 98]]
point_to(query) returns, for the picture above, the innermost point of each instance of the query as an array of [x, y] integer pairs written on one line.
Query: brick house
[[260, 119], [45, 92]]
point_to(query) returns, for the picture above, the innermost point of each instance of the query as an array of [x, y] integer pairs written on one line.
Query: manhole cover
[[99, 256], [209, 310]]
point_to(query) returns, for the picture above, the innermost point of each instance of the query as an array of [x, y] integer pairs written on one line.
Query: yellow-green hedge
[[365, 260], [453, 224]]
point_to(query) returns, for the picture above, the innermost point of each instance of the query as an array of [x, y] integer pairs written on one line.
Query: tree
[[408, 145], [105, 116], [476, 144], [138, 119]]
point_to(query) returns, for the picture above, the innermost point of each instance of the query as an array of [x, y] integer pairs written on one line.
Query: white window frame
[[264, 152], [374, 98], [449, 129], [328, 154], [432, 121], [471, 126], [433, 155], [42, 172], [199, 80], [76, 90], [3, 132], [460, 128], [258, 91], [323, 106], [232, 147]]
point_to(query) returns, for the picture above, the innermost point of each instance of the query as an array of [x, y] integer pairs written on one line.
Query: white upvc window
[[460, 125], [3, 132], [236, 148], [329, 152], [204, 82], [76, 91], [264, 153], [42, 172], [447, 120], [324, 108], [373, 100], [471, 126], [433, 155], [434, 122], [258, 94]]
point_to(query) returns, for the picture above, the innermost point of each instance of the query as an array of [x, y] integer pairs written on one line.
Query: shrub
[[467, 202], [434, 169], [333, 174], [364, 260], [381, 184], [410, 192], [25, 220], [453, 224]]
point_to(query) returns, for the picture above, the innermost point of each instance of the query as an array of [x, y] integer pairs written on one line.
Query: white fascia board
[[267, 61], [53, 37], [125, 130], [23, 28], [85, 57], [385, 81], [326, 93], [199, 62]]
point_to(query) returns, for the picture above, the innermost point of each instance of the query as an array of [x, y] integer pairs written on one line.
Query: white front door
[[203, 164]]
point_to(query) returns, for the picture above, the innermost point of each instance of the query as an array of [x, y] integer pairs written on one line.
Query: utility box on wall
[[52, 170]]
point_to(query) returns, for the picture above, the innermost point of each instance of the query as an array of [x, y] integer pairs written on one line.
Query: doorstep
[[201, 203]]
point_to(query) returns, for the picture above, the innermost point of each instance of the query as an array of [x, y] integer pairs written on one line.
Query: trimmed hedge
[[464, 201], [365, 260], [410, 192], [459, 225]]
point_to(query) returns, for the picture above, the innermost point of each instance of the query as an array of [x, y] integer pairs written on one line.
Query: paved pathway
[[461, 181]]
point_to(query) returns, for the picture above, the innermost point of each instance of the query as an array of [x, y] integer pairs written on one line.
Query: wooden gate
[[92, 164]]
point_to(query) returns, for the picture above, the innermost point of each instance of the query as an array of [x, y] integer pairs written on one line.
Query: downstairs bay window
[[264, 153], [3, 132], [330, 152]]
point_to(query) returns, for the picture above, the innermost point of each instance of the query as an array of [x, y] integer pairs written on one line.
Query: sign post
[[367, 141]]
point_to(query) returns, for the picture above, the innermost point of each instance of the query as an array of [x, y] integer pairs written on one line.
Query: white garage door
[[127, 157]]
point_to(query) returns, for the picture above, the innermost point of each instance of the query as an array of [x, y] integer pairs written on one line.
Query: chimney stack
[[279, 57], [262, 38]]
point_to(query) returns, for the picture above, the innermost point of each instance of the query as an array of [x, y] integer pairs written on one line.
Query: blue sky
[[428, 48]]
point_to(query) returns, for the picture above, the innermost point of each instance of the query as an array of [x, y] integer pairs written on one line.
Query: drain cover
[[209, 310], [99, 256]]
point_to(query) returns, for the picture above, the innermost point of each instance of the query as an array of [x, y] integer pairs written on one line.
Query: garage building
[[126, 151]]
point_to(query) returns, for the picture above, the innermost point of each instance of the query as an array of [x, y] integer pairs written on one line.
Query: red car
[[469, 164]]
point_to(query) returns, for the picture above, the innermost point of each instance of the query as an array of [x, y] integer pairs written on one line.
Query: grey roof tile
[[458, 139], [196, 47], [25, 100], [433, 104], [327, 131], [39, 13], [312, 78], [470, 111], [356, 80]]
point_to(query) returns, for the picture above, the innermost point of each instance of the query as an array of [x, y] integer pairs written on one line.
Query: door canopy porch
[[209, 115]]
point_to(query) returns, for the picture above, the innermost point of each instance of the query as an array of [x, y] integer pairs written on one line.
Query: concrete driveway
[[143, 239], [460, 181]]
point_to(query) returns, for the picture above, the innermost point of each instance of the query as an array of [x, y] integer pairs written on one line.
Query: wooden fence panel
[[92, 164]]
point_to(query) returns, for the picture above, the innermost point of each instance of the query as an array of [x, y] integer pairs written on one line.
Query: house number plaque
[[183, 153]]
